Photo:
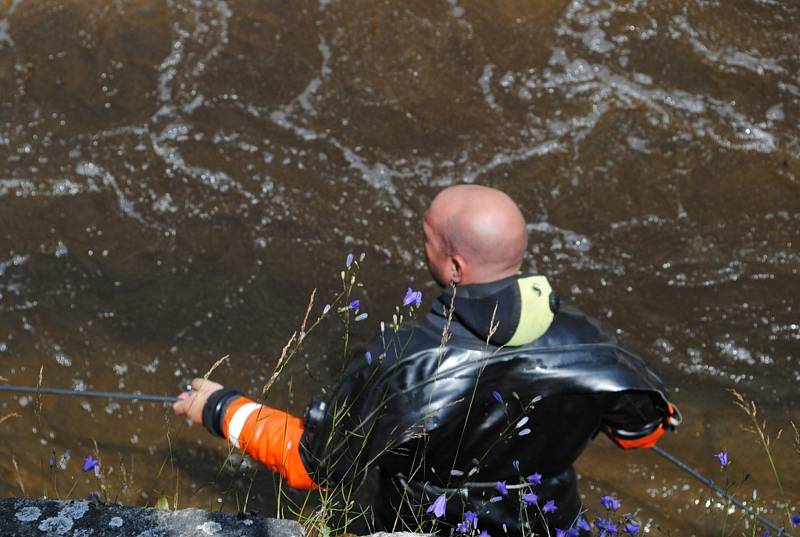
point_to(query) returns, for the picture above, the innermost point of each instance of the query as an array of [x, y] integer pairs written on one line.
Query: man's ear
[[458, 267]]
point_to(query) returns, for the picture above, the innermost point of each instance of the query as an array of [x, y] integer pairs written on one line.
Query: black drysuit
[[450, 415]]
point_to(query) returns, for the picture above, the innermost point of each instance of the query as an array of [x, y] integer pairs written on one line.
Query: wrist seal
[[214, 409]]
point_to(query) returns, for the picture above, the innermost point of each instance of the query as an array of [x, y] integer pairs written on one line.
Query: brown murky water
[[177, 176]]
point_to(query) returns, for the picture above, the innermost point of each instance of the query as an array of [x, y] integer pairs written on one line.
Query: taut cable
[[87, 393], [720, 491]]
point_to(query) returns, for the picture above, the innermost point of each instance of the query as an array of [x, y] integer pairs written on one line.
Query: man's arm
[[270, 436], [638, 419]]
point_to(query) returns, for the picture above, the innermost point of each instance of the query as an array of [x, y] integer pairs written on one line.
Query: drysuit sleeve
[[270, 436], [638, 419]]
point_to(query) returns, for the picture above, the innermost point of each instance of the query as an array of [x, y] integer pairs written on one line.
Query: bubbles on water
[[62, 359], [507, 79], [643, 79], [595, 40], [729, 349], [60, 250], [151, 367], [638, 144], [665, 348]]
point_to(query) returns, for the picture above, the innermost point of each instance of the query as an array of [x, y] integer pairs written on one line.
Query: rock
[[74, 518]]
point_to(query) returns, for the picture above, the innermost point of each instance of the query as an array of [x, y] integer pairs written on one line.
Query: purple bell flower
[[502, 488], [438, 506], [412, 297], [610, 503], [631, 528], [535, 478], [471, 518], [90, 463]]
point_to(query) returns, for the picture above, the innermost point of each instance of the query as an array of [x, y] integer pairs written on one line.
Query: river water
[[175, 178]]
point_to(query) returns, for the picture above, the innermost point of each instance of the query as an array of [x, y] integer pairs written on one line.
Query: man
[[479, 409]]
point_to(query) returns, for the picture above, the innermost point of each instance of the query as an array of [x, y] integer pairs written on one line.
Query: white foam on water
[[571, 239], [206, 27], [485, 83], [473, 171], [581, 77], [595, 40], [172, 156], [5, 24], [638, 144], [775, 113], [168, 70], [727, 57], [5, 36], [458, 12], [208, 32], [94, 170], [22, 188], [305, 97], [599, 82], [220, 24], [376, 174]]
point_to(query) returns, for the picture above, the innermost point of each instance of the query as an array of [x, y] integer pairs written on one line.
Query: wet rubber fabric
[[450, 414]]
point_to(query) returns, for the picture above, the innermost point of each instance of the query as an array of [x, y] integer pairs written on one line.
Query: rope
[[720, 491], [87, 393]]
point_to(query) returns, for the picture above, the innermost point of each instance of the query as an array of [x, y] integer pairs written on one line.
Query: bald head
[[473, 234]]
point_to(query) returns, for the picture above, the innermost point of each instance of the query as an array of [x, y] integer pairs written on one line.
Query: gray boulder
[[74, 518]]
